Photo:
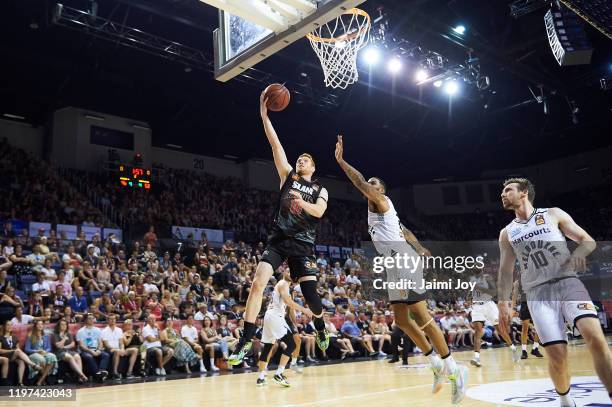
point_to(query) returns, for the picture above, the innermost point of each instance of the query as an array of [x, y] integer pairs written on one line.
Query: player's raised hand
[[339, 149], [575, 263], [263, 104]]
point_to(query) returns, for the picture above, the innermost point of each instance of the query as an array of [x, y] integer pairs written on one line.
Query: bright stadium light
[[371, 55], [460, 29], [437, 83], [421, 75], [394, 65], [451, 88]]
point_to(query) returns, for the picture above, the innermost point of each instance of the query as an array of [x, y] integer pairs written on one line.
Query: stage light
[[451, 88], [460, 29], [421, 75], [371, 56], [394, 65], [437, 83]]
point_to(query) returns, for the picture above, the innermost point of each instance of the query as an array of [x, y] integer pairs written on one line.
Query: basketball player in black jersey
[[302, 203]]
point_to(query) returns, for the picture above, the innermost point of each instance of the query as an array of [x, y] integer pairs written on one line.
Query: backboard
[[252, 30]]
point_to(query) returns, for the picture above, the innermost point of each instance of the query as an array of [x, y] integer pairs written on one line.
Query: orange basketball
[[278, 97]]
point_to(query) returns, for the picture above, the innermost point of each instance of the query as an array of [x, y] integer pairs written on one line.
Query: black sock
[[445, 356], [562, 394], [249, 331], [428, 353]]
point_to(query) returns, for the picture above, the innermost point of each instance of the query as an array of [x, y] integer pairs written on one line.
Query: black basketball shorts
[[299, 256]]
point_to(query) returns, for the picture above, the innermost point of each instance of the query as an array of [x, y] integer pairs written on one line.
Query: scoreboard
[[134, 177]]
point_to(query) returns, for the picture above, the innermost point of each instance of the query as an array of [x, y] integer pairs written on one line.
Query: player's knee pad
[[263, 357]]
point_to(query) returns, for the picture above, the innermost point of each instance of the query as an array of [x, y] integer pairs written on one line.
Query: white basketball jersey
[[277, 305], [385, 227], [481, 282], [540, 248]]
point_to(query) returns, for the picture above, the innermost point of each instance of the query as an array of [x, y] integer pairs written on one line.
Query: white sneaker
[[475, 362], [162, 371], [381, 353], [297, 368], [157, 371], [516, 355], [202, 369], [214, 368], [458, 380]]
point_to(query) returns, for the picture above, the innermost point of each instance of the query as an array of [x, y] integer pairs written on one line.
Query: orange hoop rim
[[346, 37]]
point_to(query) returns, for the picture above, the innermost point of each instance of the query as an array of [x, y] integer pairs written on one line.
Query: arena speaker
[[567, 37]]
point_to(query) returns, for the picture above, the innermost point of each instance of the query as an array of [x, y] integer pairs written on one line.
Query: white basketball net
[[337, 44]]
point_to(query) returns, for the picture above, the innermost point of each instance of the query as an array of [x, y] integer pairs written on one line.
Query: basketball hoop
[[337, 44]]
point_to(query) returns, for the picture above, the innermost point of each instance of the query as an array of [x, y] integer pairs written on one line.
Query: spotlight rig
[[430, 66]]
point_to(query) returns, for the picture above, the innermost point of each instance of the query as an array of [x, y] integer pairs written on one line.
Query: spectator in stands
[[69, 316], [154, 307], [212, 342], [131, 343], [9, 301], [321, 260], [7, 230], [149, 286], [20, 318], [37, 259], [48, 271], [112, 339], [352, 278], [225, 333], [183, 353], [38, 348], [103, 277], [449, 325], [351, 331], [42, 286], [78, 303], [226, 302], [4, 283], [8, 249], [64, 347], [343, 344], [351, 263], [21, 263], [189, 333], [91, 347], [327, 303], [187, 307], [380, 332], [130, 306], [61, 280], [59, 300], [150, 238], [307, 335], [5, 264], [9, 348], [87, 278], [36, 304], [72, 257], [152, 342]]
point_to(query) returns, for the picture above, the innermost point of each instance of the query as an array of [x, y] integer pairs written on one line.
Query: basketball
[[278, 97]]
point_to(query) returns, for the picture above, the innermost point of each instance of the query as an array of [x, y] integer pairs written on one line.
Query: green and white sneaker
[[322, 339], [439, 379], [239, 354], [282, 380], [261, 382], [458, 380]]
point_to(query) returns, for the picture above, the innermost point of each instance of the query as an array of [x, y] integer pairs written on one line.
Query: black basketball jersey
[[291, 220]]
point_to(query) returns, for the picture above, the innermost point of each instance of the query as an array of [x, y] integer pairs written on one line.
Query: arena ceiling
[[395, 130]]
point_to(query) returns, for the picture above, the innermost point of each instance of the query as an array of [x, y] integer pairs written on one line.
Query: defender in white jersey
[[536, 238], [484, 310], [275, 328], [390, 238]]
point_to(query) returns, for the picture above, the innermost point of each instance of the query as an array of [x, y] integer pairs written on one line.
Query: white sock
[[435, 361], [262, 374], [212, 363], [513, 346], [476, 355], [293, 361], [280, 370], [451, 366], [535, 346], [566, 400], [201, 362], [524, 347]]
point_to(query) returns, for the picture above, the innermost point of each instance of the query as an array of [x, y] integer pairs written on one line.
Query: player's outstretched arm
[[570, 228], [504, 280], [358, 180], [283, 290], [280, 159], [414, 242]]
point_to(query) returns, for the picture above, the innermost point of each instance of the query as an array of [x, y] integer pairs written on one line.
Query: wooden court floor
[[370, 383]]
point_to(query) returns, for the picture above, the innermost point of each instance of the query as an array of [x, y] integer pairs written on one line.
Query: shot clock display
[[134, 177]]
